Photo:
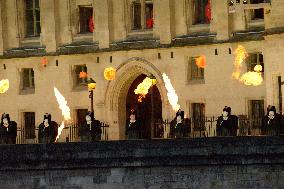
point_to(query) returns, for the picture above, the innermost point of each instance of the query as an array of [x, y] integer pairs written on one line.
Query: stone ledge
[[144, 153]]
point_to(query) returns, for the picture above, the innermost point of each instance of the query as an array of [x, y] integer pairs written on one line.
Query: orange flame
[[140, 98], [64, 108], [241, 55], [83, 74], [200, 61], [4, 86], [172, 96]]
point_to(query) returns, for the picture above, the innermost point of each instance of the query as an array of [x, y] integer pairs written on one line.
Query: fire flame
[[172, 96], [64, 108], [143, 88], [200, 61], [253, 78], [241, 55], [4, 86]]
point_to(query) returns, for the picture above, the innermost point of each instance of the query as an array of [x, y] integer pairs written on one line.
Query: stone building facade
[[136, 37]]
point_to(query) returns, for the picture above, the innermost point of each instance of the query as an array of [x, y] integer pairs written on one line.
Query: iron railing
[[69, 134], [192, 128]]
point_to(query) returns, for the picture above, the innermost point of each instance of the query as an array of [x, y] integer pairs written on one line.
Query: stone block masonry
[[208, 163]]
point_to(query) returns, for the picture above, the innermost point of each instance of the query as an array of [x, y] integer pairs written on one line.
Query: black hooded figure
[[8, 130], [47, 130], [272, 122], [179, 128], [91, 129], [227, 124], [132, 127]]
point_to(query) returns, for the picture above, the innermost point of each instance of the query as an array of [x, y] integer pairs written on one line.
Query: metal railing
[[206, 127], [69, 134]]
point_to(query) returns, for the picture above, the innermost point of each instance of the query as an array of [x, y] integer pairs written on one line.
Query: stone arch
[[115, 97]]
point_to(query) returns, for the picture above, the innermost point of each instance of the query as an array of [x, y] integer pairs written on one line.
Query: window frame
[[79, 19], [77, 85], [258, 62], [190, 65], [143, 16], [30, 89], [34, 20], [202, 118]]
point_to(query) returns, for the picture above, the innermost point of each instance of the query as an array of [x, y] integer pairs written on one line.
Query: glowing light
[[200, 61], [252, 78], [241, 55], [257, 68], [109, 73], [172, 96], [44, 62], [143, 88], [4, 86], [83, 74], [64, 108]]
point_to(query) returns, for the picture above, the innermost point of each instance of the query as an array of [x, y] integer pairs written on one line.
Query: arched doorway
[[150, 107], [116, 113]]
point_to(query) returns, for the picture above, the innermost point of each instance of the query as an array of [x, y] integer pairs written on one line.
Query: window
[[256, 113], [27, 79], [198, 116], [79, 78], [257, 14], [201, 11], [194, 72], [29, 123], [256, 108], [81, 114], [253, 60], [32, 18], [86, 21], [142, 14]]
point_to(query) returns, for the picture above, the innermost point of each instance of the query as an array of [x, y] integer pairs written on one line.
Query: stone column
[[165, 14], [64, 23], [48, 25], [220, 19], [180, 18], [2, 27], [12, 24], [102, 22]]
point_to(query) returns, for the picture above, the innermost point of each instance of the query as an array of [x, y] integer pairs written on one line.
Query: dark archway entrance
[[144, 109]]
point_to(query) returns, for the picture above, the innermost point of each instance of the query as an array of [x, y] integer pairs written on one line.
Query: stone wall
[[241, 162]]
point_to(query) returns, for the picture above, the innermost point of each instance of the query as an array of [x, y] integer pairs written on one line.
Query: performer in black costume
[[132, 127], [227, 124], [272, 123], [47, 130], [8, 130], [91, 129]]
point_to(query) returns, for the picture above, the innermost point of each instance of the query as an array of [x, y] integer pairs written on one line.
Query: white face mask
[[45, 122], [225, 114], [178, 119], [88, 119], [5, 122], [271, 115]]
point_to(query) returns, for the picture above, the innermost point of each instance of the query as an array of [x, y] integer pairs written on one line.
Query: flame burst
[[4, 86], [241, 55], [143, 88], [253, 78], [172, 96], [64, 108], [200, 61]]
